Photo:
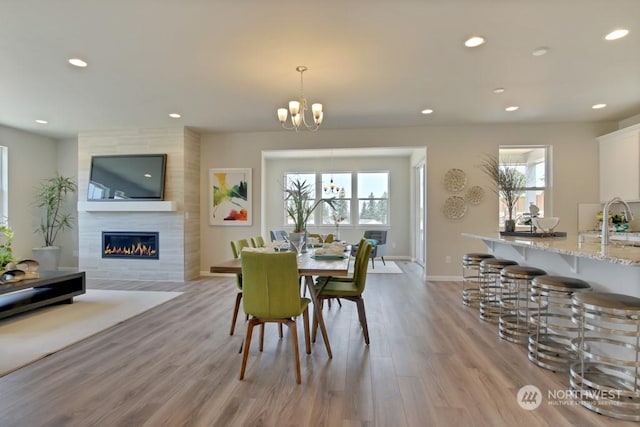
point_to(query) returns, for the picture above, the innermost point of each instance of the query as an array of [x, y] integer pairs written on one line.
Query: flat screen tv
[[127, 177]]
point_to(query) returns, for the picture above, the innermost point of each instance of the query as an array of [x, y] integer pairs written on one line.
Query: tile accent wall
[[179, 229]]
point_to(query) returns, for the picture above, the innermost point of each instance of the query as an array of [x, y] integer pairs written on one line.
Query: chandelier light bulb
[[282, 115], [294, 107]]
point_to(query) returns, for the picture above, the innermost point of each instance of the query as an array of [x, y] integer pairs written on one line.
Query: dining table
[[309, 265]]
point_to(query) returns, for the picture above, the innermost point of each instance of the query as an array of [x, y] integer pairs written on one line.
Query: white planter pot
[[48, 257]]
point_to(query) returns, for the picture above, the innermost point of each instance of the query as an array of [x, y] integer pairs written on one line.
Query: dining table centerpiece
[[300, 204]]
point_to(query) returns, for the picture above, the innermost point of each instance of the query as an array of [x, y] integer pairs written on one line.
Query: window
[[371, 205], [373, 198], [342, 194], [532, 162], [4, 185]]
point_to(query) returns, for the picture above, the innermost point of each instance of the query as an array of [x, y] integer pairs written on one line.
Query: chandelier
[[298, 109], [332, 189]]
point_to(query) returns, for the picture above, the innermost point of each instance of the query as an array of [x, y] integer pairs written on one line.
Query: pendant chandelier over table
[[297, 110]]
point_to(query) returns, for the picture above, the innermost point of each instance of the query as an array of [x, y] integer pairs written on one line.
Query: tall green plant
[[51, 196], [509, 183], [299, 203]]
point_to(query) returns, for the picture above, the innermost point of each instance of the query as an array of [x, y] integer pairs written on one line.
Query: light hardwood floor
[[431, 362]]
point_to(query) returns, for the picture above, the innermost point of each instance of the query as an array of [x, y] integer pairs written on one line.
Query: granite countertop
[[582, 246]]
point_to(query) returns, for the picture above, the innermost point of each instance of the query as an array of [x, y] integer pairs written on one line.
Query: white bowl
[[546, 225]]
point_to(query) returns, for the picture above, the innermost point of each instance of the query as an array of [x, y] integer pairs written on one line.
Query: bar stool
[[606, 376], [471, 277], [490, 287], [552, 325], [515, 305]]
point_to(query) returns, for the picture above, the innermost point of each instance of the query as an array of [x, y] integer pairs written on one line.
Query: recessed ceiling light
[[474, 41], [427, 111], [598, 106], [42, 122], [77, 62], [175, 115], [498, 90], [511, 108], [539, 51], [616, 34]]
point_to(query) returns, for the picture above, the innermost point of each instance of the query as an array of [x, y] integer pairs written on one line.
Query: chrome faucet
[[605, 217]]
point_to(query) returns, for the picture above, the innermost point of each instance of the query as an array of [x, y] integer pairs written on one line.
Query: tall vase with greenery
[[51, 197], [508, 183], [300, 204]]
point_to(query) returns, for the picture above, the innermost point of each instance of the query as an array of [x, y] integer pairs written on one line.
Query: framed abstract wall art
[[230, 196]]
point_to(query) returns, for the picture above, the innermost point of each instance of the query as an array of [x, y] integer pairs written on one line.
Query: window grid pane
[[373, 198]]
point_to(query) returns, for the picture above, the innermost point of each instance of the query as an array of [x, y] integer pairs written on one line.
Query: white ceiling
[[227, 65]]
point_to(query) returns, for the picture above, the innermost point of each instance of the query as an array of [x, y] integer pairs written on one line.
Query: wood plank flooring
[[431, 362]]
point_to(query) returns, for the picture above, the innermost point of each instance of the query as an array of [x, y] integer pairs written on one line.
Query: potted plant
[[6, 254], [509, 185], [300, 206], [51, 197]]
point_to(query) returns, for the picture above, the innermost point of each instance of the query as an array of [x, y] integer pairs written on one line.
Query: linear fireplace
[[130, 244]]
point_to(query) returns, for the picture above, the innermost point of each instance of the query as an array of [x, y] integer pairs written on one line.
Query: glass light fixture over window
[[298, 109]]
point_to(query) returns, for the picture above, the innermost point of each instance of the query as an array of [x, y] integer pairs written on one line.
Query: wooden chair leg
[[314, 328], [236, 309], [261, 336], [363, 319], [296, 353], [247, 342], [280, 334], [339, 303], [307, 340]]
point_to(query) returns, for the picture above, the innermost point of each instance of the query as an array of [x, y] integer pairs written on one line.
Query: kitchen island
[[612, 268]]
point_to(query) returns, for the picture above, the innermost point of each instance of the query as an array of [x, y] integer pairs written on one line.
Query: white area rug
[[33, 335], [390, 268]]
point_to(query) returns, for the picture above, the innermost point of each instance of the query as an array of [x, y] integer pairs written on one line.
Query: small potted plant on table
[[300, 207]]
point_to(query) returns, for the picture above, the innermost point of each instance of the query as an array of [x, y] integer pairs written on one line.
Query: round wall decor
[[455, 179], [475, 195], [454, 207]]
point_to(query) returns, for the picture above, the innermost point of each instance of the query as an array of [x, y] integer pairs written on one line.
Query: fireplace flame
[[133, 250]]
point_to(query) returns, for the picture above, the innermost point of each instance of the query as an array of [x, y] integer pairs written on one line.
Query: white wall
[[575, 174], [68, 166], [32, 158]]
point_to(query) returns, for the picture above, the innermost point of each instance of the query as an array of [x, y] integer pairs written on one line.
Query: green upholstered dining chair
[[347, 289], [257, 242], [236, 249], [271, 294]]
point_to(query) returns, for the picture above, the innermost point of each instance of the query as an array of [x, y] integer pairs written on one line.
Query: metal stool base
[[617, 400]]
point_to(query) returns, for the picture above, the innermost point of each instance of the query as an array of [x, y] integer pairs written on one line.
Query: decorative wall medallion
[[454, 207], [475, 195], [455, 180]]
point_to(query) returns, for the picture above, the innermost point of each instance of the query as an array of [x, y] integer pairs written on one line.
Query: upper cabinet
[[620, 164]]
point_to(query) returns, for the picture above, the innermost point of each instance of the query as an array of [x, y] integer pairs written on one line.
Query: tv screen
[[127, 177]]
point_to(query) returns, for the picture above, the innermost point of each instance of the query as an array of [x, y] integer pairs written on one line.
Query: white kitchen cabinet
[[620, 164]]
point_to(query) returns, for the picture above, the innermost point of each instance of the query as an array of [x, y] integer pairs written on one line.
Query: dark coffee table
[[51, 288]]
